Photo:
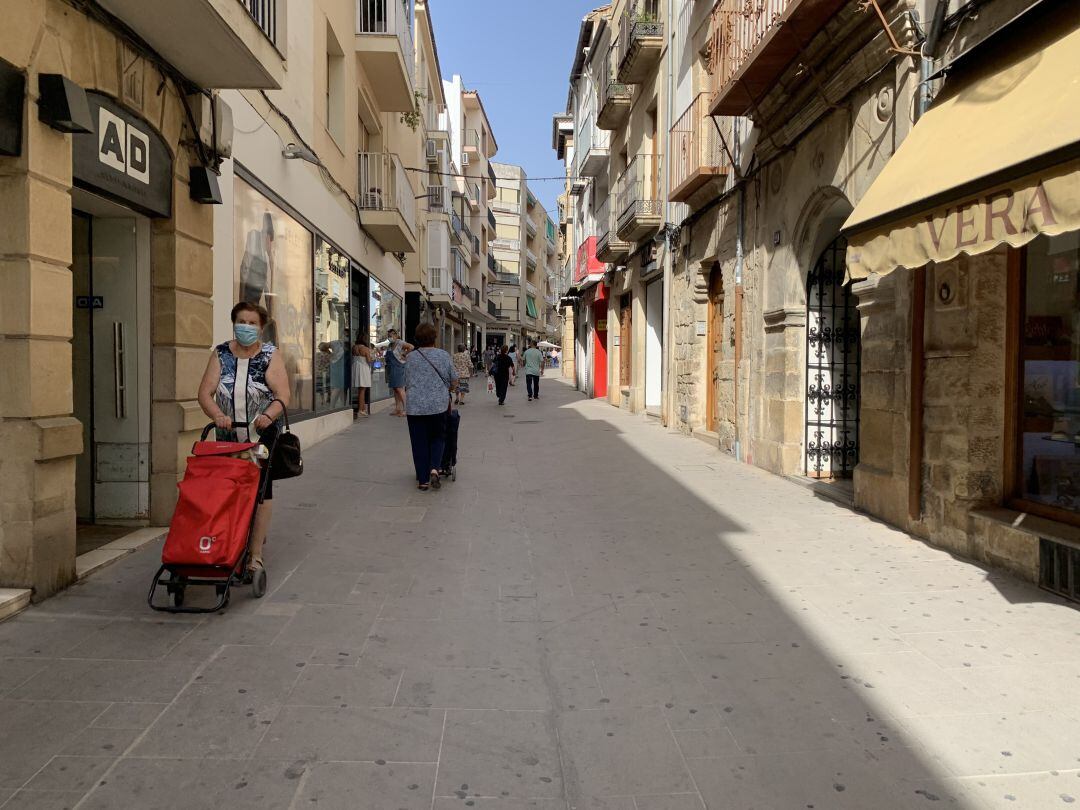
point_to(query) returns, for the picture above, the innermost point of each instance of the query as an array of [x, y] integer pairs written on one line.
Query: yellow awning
[[995, 160]]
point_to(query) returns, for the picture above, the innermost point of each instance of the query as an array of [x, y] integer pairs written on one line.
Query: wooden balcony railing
[[696, 152]]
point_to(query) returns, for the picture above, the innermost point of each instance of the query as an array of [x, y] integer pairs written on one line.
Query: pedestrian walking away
[[513, 354], [464, 367], [501, 369], [396, 352], [534, 366], [430, 380], [240, 410], [362, 358]]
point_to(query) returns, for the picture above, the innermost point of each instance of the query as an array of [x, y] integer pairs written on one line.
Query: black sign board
[[89, 302], [124, 159]]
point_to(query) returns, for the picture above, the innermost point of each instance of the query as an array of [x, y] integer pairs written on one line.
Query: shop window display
[[386, 314], [273, 268], [332, 343], [1049, 437]]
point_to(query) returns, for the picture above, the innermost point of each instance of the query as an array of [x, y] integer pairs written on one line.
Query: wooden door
[[715, 348]]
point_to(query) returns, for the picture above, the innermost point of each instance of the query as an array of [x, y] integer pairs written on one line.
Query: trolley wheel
[[258, 583]]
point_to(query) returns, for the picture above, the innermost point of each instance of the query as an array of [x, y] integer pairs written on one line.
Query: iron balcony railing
[[389, 17], [493, 310], [491, 175], [455, 225], [468, 239], [472, 191], [384, 186], [695, 144], [640, 19], [612, 90], [476, 245], [638, 188], [491, 219], [265, 14], [491, 263], [472, 140], [437, 196], [737, 28]]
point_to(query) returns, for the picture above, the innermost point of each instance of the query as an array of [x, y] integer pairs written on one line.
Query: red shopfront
[[589, 276]]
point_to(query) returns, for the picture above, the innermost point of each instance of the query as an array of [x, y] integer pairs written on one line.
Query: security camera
[[294, 152]]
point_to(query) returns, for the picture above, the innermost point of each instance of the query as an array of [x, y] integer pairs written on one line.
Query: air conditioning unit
[[431, 149], [207, 113], [465, 159]]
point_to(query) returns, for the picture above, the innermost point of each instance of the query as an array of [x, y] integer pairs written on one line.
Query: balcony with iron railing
[[455, 225], [609, 247], [491, 264], [491, 220], [472, 194], [437, 197], [470, 243], [641, 40], [591, 148], [697, 154], [492, 310], [246, 38], [638, 200], [384, 47], [387, 202], [614, 102], [749, 53], [471, 141]]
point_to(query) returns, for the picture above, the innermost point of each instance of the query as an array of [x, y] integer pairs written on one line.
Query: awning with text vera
[[996, 159]]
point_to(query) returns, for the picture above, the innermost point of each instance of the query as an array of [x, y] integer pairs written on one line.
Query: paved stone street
[[712, 636]]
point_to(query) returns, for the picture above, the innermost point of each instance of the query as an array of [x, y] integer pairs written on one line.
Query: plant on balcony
[[412, 118]]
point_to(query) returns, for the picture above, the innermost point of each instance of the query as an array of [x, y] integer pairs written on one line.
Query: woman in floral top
[[464, 367]]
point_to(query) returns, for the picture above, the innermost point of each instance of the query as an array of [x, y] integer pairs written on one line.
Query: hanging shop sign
[[123, 159]]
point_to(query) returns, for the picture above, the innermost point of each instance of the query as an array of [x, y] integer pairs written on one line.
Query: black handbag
[[285, 459]]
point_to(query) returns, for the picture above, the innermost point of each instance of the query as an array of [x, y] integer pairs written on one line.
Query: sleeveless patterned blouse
[[245, 402]]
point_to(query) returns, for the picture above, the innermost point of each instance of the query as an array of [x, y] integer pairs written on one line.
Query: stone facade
[[39, 435]]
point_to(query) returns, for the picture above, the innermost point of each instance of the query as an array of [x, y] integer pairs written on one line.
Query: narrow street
[[597, 614]]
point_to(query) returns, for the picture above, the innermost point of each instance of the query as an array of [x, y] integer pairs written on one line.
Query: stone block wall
[[39, 435]]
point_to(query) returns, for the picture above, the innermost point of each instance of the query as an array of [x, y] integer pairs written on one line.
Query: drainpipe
[[739, 235], [669, 261], [927, 51]]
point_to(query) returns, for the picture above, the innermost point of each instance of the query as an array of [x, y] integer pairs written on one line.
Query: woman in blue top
[[430, 378], [396, 352], [241, 411]]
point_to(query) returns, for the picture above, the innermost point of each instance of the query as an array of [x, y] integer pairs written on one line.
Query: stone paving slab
[[597, 615]]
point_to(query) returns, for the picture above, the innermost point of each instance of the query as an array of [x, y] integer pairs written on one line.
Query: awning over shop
[[995, 161]]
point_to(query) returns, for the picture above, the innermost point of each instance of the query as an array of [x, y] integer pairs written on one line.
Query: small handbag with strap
[[286, 461]]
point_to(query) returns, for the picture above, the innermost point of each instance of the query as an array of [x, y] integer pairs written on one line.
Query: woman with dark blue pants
[[430, 378]]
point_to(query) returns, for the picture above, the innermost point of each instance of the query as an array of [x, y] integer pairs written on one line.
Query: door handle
[[119, 371]]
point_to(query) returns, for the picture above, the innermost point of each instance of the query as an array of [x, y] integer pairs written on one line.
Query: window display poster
[[332, 344], [273, 268]]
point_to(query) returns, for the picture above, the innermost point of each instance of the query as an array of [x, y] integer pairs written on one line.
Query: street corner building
[[839, 241], [106, 168]]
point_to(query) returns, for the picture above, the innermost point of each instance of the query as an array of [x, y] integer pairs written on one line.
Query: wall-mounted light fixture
[[203, 186], [62, 104], [295, 152]]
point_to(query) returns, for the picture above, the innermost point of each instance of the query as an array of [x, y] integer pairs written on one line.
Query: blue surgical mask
[[245, 333]]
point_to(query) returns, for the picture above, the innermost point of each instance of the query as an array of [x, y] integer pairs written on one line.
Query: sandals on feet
[[435, 481]]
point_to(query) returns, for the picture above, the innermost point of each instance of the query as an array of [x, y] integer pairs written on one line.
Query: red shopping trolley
[[209, 539]]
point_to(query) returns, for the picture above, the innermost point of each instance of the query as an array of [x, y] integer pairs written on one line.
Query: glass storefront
[[332, 345], [1049, 436], [385, 314], [273, 268]]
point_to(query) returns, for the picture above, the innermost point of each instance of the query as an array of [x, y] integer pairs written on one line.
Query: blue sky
[[517, 55]]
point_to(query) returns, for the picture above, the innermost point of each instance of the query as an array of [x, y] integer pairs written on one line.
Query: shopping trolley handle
[[206, 431]]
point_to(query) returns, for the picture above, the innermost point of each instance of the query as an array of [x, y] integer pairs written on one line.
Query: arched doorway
[[715, 347], [832, 368]]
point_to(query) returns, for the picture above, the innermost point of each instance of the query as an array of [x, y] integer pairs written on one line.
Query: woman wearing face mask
[[243, 378]]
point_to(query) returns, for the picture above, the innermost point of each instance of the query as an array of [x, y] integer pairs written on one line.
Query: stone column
[[780, 447], [39, 436], [881, 476]]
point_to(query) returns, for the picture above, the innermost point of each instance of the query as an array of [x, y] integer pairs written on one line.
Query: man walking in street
[[534, 367]]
